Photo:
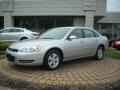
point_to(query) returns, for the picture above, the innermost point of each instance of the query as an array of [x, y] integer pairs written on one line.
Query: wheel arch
[[55, 48], [103, 46], [23, 37]]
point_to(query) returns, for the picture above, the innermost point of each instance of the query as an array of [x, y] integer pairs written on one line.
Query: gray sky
[[113, 5]]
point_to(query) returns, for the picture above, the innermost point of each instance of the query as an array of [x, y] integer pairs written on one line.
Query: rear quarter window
[[96, 34]]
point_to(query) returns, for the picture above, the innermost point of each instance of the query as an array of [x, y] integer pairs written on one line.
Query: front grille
[[13, 50], [10, 58]]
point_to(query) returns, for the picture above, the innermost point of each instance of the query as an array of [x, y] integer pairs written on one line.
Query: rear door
[[15, 34], [91, 41]]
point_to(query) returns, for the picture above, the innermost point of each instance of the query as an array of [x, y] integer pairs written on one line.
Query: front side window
[[77, 32], [88, 33]]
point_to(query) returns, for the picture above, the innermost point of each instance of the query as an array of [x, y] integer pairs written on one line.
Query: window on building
[[1, 22], [42, 23]]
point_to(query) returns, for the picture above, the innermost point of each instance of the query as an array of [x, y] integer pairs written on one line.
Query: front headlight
[[31, 49]]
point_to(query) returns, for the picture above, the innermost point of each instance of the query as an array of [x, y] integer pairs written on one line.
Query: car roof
[[76, 27], [17, 28], [14, 28], [56, 27]]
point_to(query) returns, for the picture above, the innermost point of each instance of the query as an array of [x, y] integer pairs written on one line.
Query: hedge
[[4, 46]]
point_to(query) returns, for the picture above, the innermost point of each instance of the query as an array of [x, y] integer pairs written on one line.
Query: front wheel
[[52, 60], [99, 54]]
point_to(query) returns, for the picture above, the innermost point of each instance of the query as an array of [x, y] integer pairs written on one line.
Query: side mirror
[[72, 37]]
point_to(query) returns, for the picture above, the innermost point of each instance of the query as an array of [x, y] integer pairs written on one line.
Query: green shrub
[[4, 46]]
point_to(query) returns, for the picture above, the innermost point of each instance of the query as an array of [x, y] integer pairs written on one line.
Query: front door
[[74, 47]]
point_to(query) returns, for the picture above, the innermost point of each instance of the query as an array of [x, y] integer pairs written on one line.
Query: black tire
[[46, 62], [24, 38], [99, 53]]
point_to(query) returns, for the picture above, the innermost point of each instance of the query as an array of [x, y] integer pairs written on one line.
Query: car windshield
[[55, 33]]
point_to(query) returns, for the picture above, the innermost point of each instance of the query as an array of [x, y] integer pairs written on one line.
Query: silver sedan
[[58, 45], [15, 34]]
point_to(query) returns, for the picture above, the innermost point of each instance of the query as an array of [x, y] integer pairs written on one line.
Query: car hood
[[27, 43]]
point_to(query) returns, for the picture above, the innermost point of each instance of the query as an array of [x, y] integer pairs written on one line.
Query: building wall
[[74, 8], [111, 18], [48, 7], [56, 7], [101, 7]]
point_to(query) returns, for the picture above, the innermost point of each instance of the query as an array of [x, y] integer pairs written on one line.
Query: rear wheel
[[100, 53], [52, 60]]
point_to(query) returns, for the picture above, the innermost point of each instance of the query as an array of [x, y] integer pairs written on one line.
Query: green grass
[[112, 54]]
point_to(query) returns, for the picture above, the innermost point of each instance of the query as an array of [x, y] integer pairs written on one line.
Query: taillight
[[35, 34]]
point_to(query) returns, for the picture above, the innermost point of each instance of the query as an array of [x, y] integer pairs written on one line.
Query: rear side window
[[16, 30], [11, 30], [95, 34], [88, 33]]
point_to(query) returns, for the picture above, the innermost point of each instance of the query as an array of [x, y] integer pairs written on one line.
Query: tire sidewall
[[45, 62], [97, 56]]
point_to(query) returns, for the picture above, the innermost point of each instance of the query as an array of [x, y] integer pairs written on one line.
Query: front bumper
[[25, 59]]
